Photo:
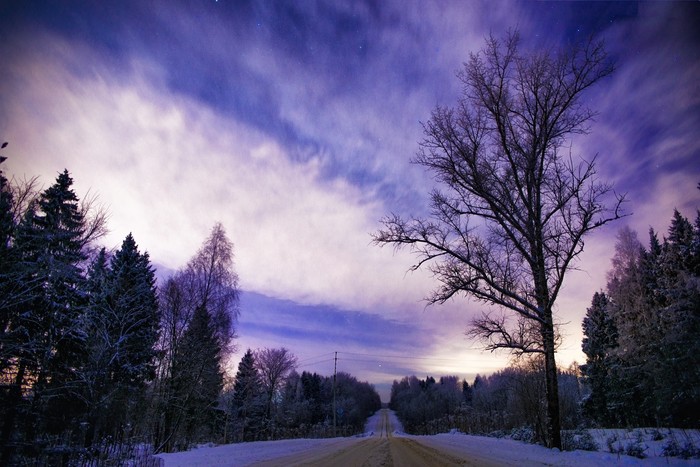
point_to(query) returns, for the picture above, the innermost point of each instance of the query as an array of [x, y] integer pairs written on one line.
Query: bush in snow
[[580, 440], [687, 451], [523, 433]]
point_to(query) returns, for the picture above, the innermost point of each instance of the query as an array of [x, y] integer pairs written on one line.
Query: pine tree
[[695, 247], [600, 337], [7, 269], [655, 303], [122, 328], [50, 343], [630, 309], [94, 370], [8, 314], [135, 307], [197, 380], [677, 376], [247, 404]]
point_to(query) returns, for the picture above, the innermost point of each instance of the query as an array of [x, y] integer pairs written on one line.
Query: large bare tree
[[515, 204]]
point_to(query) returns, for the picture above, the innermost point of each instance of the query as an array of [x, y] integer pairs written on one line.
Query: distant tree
[[311, 384], [210, 281], [599, 341], [467, 393], [273, 366], [248, 403], [516, 209]]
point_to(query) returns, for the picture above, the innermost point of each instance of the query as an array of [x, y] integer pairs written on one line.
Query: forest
[[98, 360]]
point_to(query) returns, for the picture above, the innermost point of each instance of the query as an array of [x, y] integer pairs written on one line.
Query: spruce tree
[[135, 307], [677, 376], [9, 287], [7, 271], [247, 404], [122, 329], [600, 337], [655, 304], [48, 339], [94, 370], [198, 380]]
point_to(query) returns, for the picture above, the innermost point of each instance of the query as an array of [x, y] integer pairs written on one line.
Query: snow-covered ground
[[492, 450]]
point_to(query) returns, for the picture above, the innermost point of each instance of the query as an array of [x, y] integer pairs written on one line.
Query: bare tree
[[516, 209], [96, 216], [209, 280], [210, 283], [273, 365]]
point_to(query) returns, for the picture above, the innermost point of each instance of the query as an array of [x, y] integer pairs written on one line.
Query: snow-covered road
[[384, 443]]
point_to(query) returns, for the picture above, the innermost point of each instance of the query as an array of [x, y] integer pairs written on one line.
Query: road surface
[[382, 448]]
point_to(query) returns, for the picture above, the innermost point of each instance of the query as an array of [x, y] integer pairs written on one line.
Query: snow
[[497, 450], [511, 452], [241, 454]]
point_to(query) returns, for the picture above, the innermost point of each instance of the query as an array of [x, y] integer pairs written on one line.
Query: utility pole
[[335, 368]]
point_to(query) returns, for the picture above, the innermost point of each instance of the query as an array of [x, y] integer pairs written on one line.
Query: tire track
[[381, 450], [407, 452]]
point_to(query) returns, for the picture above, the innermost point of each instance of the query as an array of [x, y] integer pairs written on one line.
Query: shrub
[[524, 433], [580, 440], [673, 449]]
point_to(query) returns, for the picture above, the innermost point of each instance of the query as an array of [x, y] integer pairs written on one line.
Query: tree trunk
[[8, 427], [552, 386]]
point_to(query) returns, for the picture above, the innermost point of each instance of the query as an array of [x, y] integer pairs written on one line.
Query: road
[[383, 448]]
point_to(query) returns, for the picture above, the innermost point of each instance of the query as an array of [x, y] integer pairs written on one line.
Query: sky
[[293, 123]]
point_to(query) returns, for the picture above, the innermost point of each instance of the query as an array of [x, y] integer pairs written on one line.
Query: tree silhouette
[[515, 209]]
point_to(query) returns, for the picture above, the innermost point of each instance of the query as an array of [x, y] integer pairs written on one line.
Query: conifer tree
[[677, 375], [49, 339], [247, 403], [197, 380], [7, 266], [122, 328], [8, 285], [654, 300], [600, 337]]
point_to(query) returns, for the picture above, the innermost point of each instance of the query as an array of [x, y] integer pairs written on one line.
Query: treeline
[[509, 399], [642, 335], [271, 400], [95, 360]]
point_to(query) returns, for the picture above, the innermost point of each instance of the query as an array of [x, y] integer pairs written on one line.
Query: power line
[[306, 365], [316, 356], [403, 357]]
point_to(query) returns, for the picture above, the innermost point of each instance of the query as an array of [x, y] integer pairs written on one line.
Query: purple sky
[[293, 124]]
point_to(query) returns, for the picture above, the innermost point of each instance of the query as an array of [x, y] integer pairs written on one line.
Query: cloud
[[169, 167]]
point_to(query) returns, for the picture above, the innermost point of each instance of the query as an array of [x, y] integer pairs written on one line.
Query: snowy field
[[489, 451]]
